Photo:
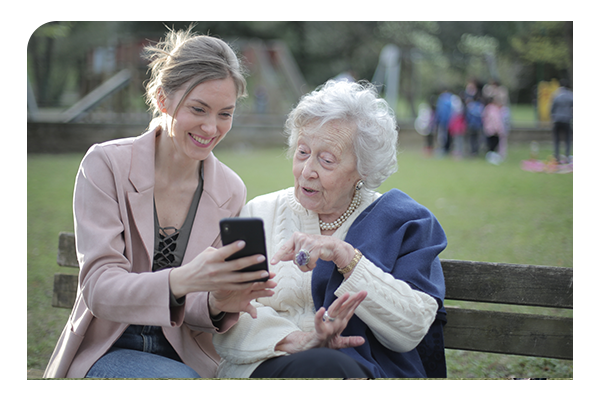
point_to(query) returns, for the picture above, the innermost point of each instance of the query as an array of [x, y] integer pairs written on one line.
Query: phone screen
[[251, 231]]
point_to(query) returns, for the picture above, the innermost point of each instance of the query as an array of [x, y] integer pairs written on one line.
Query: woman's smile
[[201, 141]]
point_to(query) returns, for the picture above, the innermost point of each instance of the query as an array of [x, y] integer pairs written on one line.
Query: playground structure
[[275, 83]]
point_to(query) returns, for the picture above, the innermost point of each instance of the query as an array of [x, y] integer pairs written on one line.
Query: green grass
[[490, 213], [49, 197]]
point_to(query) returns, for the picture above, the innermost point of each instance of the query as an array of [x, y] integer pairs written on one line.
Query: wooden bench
[[501, 332]]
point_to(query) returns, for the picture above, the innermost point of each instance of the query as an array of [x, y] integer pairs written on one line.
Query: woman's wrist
[[177, 282], [214, 311], [344, 254], [295, 342], [347, 269]]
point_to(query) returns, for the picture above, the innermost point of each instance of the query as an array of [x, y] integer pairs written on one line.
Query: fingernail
[[241, 244], [264, 274], [260, 258]]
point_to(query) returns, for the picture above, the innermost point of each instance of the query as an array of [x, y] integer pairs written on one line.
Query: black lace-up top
[[170, 243]]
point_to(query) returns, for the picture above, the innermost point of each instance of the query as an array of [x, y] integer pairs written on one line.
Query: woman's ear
[[161, 100]]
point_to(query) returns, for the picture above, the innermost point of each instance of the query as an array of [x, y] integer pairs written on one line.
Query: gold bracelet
[[352, 264]]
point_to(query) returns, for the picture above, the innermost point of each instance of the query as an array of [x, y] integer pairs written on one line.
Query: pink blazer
[[114, 230]]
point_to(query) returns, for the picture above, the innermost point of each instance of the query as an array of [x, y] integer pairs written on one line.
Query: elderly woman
[[359, 282]]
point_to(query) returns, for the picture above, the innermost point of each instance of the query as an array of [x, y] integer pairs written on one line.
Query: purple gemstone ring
[[302, 258]]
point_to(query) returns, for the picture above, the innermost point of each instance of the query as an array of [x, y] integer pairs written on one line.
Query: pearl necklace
[[328, 226]]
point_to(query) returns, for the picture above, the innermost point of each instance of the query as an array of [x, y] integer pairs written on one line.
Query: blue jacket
[[562, 106], [404, 239], [473, 115], [443, 109]]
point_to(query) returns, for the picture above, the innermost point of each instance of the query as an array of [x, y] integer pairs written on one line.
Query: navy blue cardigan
[[403, 238]]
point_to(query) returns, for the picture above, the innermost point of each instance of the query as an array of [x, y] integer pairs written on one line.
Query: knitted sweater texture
[[397, 315]]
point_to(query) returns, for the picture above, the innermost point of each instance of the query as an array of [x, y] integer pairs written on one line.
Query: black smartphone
[[251, 231]]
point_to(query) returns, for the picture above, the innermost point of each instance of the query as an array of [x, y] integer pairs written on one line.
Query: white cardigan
[[398, 315]]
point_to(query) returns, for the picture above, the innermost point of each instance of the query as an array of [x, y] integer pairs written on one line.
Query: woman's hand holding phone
[[231, 290]]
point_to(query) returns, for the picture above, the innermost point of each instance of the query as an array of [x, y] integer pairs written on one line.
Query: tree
[[547, 42], [41, 52], [434, 54]]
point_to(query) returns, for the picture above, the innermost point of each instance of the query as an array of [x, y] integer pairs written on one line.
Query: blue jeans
[[141, 352]]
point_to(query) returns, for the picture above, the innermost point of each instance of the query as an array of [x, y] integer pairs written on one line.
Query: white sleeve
[[398, 315], [251, 340]]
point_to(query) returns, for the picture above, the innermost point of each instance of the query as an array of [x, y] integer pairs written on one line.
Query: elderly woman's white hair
[[376, 136]]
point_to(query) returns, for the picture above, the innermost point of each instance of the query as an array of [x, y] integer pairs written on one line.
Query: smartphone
[[251, 231]]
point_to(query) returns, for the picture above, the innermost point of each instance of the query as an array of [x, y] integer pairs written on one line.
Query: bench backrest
[[513, 332], [473, 328]]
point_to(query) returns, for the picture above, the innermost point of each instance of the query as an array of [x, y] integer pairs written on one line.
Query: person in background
[[472, 90], [430, 127], [457, 126], [443, 113], [473, 113], [360, 287], [561, 112], [494, 130], [153, 287]]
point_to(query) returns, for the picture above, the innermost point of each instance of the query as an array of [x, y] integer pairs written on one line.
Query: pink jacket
[[114, 230], [493, 123]]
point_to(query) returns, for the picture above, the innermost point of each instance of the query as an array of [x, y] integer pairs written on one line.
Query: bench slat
[[509, 333], [65, 290], [67, 256], [530, 285]]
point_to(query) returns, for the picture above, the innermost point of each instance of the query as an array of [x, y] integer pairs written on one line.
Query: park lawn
[[490, 213], [49, 198]]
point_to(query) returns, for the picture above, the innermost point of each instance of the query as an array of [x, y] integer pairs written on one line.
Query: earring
[[360, 184]]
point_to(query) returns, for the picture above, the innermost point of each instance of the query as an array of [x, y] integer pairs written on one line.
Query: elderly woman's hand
[[326, 248], [328, 328]]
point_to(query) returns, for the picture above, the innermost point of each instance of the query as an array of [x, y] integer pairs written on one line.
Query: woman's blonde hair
[[185, 58]]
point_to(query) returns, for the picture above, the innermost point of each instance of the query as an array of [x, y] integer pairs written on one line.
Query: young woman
[[153, 286]]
